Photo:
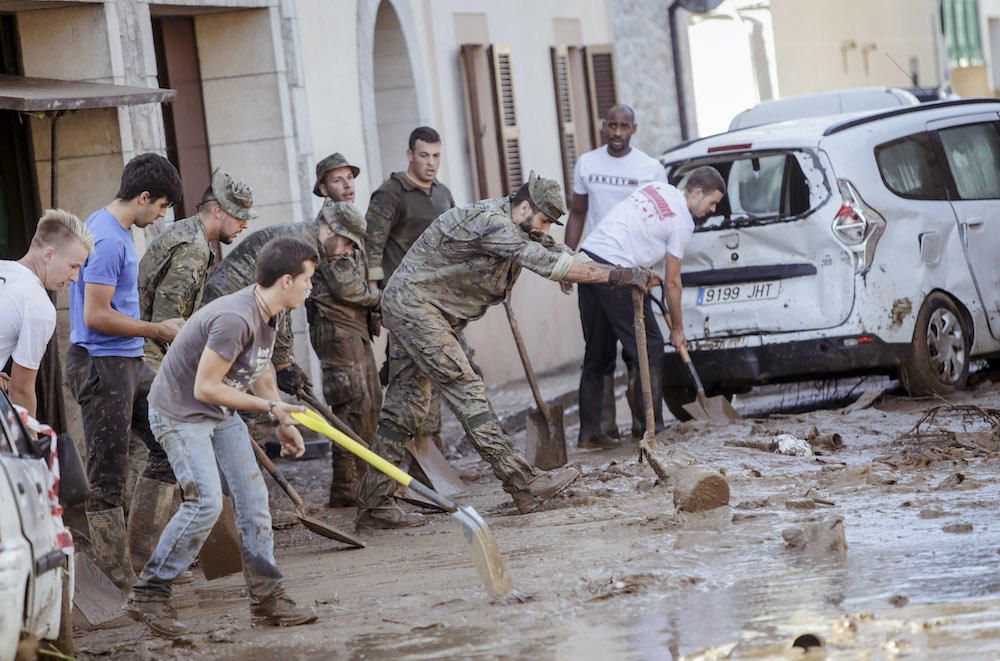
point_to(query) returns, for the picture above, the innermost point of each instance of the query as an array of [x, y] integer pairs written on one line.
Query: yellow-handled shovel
[[485, 552]]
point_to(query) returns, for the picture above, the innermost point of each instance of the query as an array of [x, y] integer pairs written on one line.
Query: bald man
[[601, 179]]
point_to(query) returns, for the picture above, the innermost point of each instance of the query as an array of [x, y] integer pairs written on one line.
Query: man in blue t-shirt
[[104, 365]]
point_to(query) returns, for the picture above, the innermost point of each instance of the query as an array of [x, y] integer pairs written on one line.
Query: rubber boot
[[279, 610], [388, 517], [153, 503], [109, 542], [591, 398], [609, 422], [156, 612], [343, 481], [638, 406], [542, 487]]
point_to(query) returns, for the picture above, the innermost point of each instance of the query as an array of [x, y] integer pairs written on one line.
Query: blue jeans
[[198, 451]]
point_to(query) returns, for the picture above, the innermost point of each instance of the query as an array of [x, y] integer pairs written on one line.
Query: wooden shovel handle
[[279, 477], [528, 371], [639, 321]]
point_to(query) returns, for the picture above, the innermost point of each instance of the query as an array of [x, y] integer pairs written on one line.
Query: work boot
[[638, 406], [278, 610], [542, 487], [109, 542], [153, 503], [388, 517], [609, 422], [591, 397], [343, 481], [156, 612]]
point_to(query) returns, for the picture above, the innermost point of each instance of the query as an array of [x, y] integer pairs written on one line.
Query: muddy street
[[610, 570]]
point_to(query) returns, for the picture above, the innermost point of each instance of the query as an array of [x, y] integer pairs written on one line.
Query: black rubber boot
[[609, 421], [591, 398]]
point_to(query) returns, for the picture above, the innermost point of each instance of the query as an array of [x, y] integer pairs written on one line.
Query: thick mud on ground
[[609, 570]]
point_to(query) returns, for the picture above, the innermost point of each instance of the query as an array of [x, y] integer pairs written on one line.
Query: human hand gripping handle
[[288, 435], [633, 276]]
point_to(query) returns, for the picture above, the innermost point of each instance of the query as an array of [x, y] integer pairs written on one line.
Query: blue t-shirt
[[112, 262]]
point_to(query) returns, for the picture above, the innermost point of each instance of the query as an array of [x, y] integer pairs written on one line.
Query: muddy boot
[[153, 503], [344, 481], [609, 422], [591, 398], [278, 610], [633, 394], [156, 612], [110, 545], [387, 518], [542, 487]]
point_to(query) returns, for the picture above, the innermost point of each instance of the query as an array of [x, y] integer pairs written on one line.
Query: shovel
[[545, 433], [711, 409], [313, 524], [485, 552], [95, 596], [445, 480]]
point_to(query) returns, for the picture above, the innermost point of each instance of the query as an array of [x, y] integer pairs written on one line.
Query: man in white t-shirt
[[27, 316], [653, 223], [601, 179]]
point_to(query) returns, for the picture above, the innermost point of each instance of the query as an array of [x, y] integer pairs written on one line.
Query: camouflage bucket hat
[[547, 195], [345, 220], [234, 195], [332, 162]]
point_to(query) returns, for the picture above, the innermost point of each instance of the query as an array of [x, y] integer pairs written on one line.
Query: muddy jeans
[[198, 451], [111, 391], [426, 351]]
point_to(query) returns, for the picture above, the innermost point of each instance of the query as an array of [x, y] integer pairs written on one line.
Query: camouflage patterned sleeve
[[175, 295], [381, 212], [284, 343], [502, 238], [346, 278]]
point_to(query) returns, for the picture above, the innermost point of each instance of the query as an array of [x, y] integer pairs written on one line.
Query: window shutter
[[602, 80], [475, 120], [508, 133], [565, 115]]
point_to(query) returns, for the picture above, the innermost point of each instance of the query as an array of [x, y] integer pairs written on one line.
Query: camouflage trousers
[[427, 352], [350, 377], [432, 421], [111, 391]]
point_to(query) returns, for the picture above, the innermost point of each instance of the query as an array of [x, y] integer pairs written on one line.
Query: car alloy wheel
[[946, 346]]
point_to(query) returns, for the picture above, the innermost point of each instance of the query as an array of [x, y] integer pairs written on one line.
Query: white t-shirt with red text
[[642, 228], [606, 180]]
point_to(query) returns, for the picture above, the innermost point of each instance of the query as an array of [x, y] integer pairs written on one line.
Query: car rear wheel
[[939, 353]]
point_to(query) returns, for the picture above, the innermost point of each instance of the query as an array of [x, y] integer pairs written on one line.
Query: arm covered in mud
[[347, 282]]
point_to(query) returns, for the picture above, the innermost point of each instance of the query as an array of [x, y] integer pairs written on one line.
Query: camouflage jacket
[[172, 273], [342, 296], [469, 259], [398, 214], [238, 269]]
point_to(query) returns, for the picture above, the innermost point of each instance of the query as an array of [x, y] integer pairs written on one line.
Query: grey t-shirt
[[232, 327]]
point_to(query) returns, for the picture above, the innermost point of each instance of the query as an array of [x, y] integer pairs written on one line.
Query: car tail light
[[857, 226]]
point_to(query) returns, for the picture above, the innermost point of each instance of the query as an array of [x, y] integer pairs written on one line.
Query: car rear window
[[909, 168], [761, 188]]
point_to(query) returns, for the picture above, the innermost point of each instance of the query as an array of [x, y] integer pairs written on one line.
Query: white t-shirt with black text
[[606, 180], [27, 316], [642, 228]]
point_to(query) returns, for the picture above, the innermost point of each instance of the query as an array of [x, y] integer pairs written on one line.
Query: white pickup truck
[[36, 575]]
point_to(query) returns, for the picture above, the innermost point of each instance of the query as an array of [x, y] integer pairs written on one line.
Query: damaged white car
[[853, 244]]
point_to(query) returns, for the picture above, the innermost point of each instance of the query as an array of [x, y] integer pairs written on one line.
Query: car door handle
[[972, 222], [20, 488]]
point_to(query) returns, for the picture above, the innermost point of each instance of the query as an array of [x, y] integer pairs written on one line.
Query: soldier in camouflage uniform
[[342, 322], [398, 213], [466, 261], [172, 273]]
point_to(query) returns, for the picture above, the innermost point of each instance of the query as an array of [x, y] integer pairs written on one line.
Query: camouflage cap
[[332, 162], [345, 220], [234, 195], [547, 195]]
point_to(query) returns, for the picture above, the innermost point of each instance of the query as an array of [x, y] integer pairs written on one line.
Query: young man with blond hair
[[27, 316]]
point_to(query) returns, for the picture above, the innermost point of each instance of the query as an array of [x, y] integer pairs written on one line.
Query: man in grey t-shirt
[[223, 351]]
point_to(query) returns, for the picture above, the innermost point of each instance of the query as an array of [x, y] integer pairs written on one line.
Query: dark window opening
[[909, 168]]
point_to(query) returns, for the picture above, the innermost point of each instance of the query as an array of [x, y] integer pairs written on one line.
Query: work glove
[[293, 379], [633, 276]]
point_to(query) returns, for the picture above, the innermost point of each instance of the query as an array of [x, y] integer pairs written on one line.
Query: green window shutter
[[960, 22]]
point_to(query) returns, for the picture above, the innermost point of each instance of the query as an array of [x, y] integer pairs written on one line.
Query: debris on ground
[[867, 399], [958, 528], [821, 539], [786, 444]]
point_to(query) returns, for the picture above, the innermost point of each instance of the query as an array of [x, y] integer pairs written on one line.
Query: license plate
[[742, 293]]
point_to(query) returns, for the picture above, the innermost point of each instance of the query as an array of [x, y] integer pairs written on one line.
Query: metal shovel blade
[[328, 531], [221, 554], [442, 475], [713, 409], [545, 443], [96, 597], [485, 553]]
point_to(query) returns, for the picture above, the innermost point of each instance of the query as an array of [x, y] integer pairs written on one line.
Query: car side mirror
[[74, 487]]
